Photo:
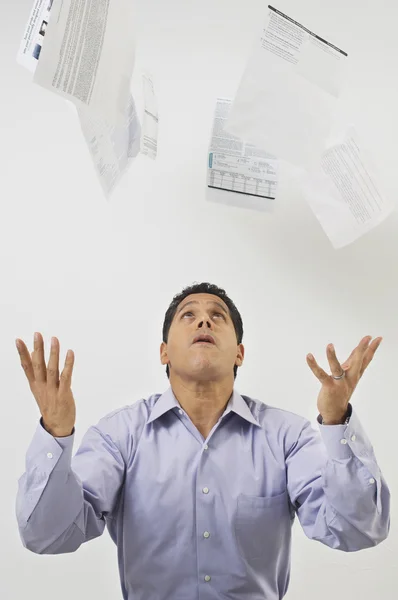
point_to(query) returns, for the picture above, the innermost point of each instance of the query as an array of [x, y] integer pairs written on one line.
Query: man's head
[[202, 334]]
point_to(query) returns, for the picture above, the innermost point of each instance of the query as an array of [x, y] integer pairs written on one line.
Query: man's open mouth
[[204, 339]]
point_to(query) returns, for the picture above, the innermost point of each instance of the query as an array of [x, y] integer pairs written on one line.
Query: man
[[199, 487]]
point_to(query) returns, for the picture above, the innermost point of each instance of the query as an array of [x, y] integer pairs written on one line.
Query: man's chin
[[200, 369], [204, 371]]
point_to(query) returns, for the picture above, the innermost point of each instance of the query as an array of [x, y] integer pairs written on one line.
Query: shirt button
[[205, 490], [206, 447], [353, 438], [371, 480], [207, 578], [180, 411], [206, 534], [343, 441], [49, 455]]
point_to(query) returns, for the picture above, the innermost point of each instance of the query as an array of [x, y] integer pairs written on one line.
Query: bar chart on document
[[236, 166], [242, 174]]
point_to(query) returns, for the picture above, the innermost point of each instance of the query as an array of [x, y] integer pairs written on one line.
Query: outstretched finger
[[53, 364], [65, 381], [26, 361], [316, 369], [39, 366], [369, 354], [359, 354], [334, 364]]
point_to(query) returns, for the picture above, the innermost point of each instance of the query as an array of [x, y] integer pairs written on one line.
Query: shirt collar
[[163, 404], [236, 404]]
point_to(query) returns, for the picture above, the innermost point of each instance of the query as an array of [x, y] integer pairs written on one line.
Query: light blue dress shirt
[[203, 519]]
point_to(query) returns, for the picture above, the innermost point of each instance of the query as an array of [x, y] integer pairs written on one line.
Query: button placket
[[205, 533]]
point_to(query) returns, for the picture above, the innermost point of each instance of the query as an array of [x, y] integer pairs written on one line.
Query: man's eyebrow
[[187, 304], [220, 306], [214, 302]]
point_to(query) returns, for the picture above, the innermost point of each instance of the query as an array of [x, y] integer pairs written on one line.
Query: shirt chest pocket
[[262, 525]]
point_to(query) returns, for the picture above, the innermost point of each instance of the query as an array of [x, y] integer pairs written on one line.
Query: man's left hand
[[335, 394]]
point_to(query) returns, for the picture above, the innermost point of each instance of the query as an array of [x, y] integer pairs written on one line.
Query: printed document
[[113, 142], [87, 53], [113, 147], [344, 192], [235, 166], [286, 98]]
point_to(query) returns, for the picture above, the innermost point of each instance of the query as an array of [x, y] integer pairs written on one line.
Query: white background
[[100, 275]]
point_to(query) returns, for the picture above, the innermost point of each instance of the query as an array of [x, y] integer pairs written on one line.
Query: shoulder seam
[[117, 411], [262, 406]]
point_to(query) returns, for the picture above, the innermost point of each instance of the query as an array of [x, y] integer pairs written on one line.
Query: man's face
[[202, 342]]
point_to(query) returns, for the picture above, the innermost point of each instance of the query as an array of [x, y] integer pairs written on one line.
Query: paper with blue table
[[285, 103], [235, 166]]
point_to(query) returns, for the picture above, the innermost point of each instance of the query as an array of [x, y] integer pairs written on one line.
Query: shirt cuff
[[47, 452], [336, 439], [347, 441]]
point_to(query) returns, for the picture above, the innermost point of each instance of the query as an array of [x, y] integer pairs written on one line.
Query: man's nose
[[206, 322]]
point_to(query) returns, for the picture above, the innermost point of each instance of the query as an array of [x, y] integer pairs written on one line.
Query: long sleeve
[[337, 488], [62, 503]]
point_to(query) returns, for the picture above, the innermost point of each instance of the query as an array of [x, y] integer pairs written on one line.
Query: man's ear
[[164, 359], [240, 355]]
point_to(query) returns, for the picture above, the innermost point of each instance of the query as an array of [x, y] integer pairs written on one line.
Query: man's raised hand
[[51, 390]]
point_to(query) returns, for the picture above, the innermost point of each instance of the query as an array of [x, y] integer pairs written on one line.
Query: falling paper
[[344, 192], [234, 166], [288, 92], [113, 147], [113, 143], [87, 54]]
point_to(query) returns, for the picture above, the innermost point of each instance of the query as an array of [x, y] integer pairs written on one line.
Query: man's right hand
[[52, 392]]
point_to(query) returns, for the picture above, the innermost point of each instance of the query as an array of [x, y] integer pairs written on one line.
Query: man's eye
[[218, 315], [188, 314]]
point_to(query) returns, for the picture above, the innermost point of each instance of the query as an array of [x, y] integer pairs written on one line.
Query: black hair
[[203, 288]]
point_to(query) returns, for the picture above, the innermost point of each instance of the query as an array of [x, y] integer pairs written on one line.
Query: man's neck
[[204, 402]]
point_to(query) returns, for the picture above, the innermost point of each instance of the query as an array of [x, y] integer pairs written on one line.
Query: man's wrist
[[328, 421], [56, 431], [336, 419]]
